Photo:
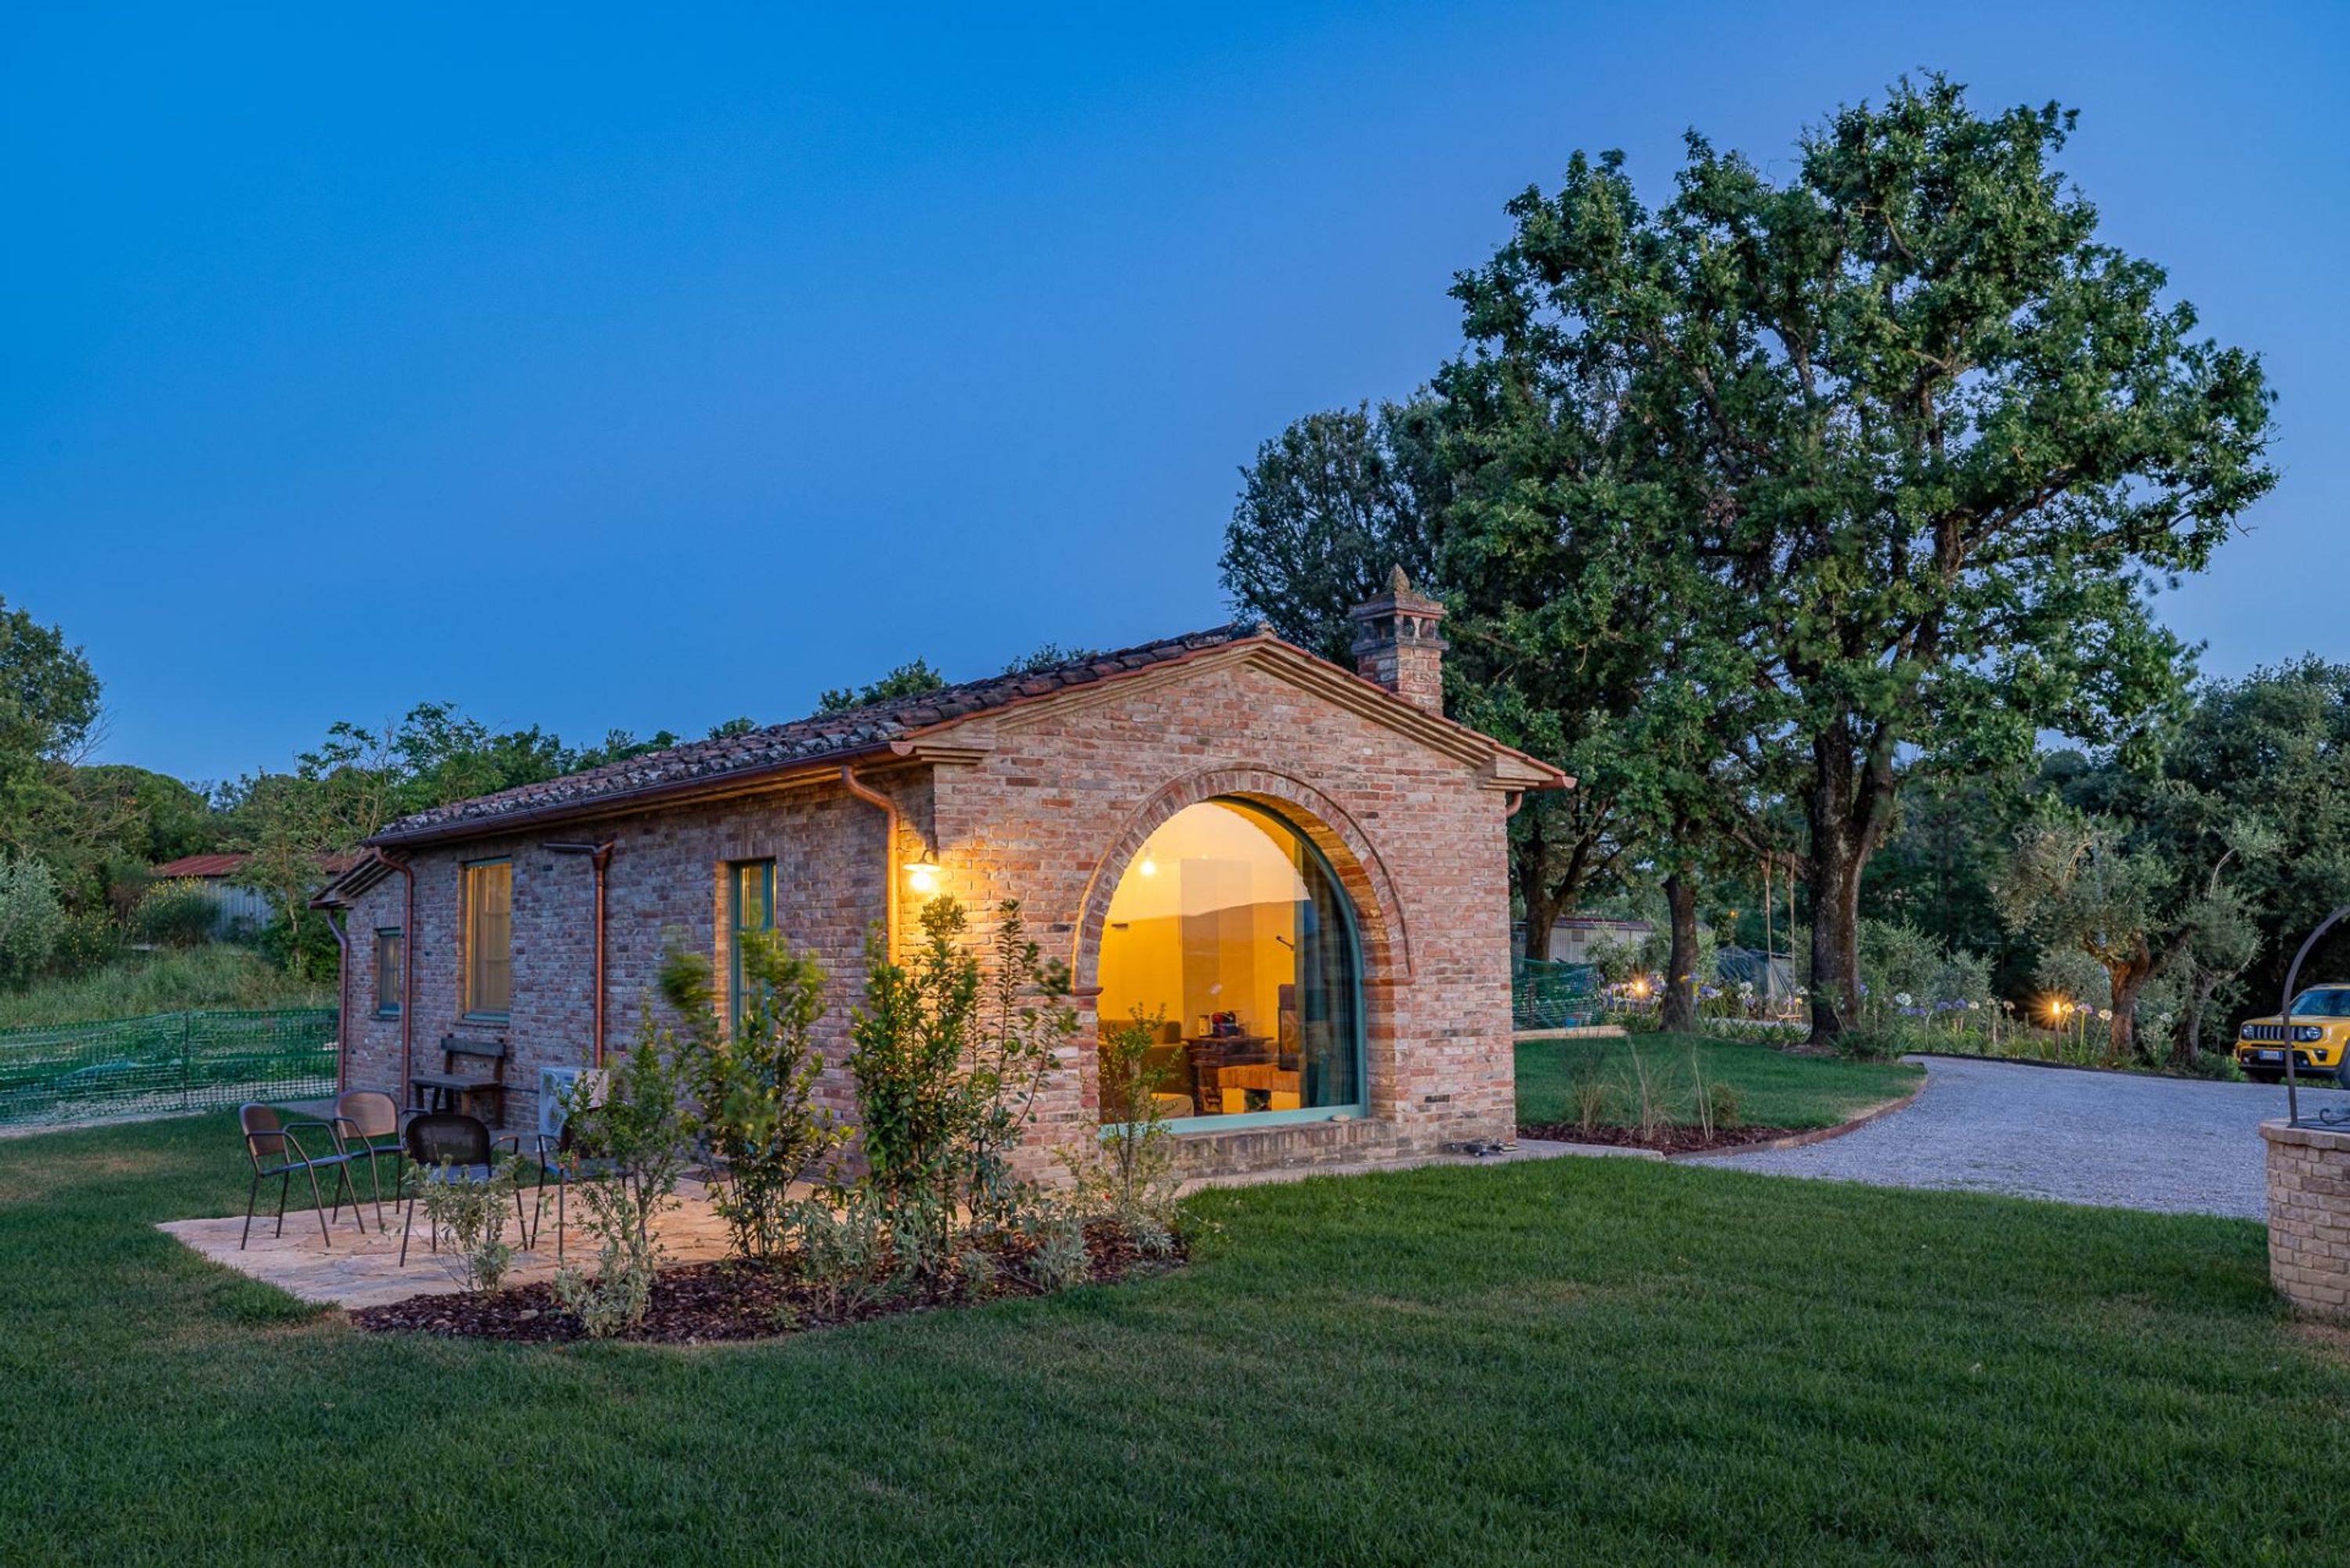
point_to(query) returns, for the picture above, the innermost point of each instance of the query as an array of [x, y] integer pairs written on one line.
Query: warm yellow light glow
[[924, 875], [1149, 867]]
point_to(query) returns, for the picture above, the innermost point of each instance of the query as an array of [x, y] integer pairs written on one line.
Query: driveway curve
[[2116, 1139]]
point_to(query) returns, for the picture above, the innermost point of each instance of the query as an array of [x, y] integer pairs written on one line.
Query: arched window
[[1231, 937]]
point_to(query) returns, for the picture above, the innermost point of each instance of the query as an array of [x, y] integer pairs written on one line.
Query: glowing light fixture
[[924, 875], [1148, 866]]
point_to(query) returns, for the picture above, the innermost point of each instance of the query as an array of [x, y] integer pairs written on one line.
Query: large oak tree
[[1929, 435]]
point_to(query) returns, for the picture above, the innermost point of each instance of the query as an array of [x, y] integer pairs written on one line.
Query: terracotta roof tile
[[812, 739]]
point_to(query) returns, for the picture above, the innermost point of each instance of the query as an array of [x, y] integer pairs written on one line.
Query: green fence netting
[[162, 1062], [1547, 994]]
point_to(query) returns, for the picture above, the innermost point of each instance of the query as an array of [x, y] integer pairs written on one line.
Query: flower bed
[[700, 1303], [1671, 1138]]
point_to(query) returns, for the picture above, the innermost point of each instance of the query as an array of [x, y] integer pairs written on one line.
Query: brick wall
[[1050, 816], [666, 879], [2309, 1216]]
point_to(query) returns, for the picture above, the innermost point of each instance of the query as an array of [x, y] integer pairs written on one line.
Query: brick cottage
[[1301, 867]]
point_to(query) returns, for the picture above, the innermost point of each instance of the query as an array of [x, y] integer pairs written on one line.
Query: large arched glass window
[[1230, 937]]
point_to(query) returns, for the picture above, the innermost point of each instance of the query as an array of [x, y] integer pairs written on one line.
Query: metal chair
[[267, 1138], [363, 1119], [448, 1146]]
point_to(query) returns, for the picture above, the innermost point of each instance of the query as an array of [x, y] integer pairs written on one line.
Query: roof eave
[[711, 786]]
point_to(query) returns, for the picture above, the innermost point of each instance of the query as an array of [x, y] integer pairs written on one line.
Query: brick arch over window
[[1378, 916]]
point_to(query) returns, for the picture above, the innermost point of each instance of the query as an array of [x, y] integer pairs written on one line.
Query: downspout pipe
[[342, 1000], [407, 973], [599, 859], [871, 796]]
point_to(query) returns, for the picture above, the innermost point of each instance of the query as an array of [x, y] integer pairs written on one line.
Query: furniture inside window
[[1230, 935], [390, 967], [489, 938], [752, 895]]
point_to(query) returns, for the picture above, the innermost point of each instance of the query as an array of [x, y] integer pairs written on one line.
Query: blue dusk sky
[[646, 366]]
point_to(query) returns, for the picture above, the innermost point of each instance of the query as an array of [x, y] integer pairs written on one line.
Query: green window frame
[[751, 907], [489, 938], [390, 970]]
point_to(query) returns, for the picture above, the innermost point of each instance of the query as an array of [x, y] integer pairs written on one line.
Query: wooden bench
[[470, 1068]]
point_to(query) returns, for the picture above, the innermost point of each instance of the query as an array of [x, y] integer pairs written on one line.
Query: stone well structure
[[2309, 1215]]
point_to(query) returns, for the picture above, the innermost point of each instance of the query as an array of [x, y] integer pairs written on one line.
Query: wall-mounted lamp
[[923, 875]]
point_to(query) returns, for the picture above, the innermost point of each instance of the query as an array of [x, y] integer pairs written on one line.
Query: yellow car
[[2320, 1038]]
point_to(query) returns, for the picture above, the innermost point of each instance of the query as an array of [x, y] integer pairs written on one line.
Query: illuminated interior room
[[1230, 934]]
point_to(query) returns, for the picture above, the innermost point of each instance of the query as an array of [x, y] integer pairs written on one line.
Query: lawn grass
[[1578, 1360], [1775, 1087]]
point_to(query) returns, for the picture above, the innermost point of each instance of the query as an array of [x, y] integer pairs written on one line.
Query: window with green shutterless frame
[[752, 898], [389, 964]]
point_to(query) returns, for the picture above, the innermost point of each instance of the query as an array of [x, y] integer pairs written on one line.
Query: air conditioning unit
[[556, 1083]]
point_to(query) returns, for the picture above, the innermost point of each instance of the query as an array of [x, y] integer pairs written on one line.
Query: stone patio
[[362, 1269]]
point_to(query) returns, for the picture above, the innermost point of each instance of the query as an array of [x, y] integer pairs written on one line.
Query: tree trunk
[[1834, 878], [2129, 977], [1681, 980], [1543, 905], [2186, 1036], [1848, 808]]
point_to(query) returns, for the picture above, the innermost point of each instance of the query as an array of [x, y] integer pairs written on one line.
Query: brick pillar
[[1397, 645], [2309, 1216]]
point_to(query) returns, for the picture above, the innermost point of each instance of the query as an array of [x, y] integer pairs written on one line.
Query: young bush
[[1058, 1258], [949, 1060], [757, 1085], [176, 914], [845, 1252], [1026, 1020], [1126, 1172], [631, 1139], [471, 1213], [89, 942], [32, 917]]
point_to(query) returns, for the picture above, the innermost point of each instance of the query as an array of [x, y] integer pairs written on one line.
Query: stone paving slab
[[2112, 1140], [362, 1268]]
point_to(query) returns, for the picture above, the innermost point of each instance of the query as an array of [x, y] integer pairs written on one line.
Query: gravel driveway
[[2167, 1144]]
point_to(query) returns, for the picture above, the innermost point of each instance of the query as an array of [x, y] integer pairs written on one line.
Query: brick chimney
[[1397, 645]]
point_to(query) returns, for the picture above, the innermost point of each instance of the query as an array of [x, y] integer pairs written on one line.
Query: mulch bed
[[1669, 1141], [705, 1303]]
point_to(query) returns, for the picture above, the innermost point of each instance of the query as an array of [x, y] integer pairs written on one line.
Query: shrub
[[1058, 1258], [757, 1085], [949, 1059], [32, 917], [1127, 1170], [179, 913], [471, 1211], [631, 1137], [846, 1251], [89, 942]]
